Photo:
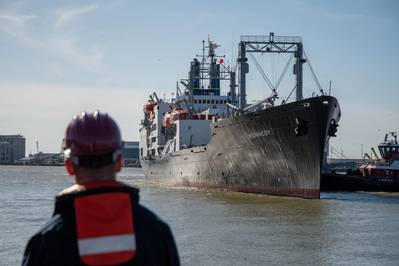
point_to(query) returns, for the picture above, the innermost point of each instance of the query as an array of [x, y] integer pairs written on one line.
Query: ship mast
[[207, 71], [269, 44]]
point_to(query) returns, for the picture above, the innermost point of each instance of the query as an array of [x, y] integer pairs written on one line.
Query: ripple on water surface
[[223, 228]]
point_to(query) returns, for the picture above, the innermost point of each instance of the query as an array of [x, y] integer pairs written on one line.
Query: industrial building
[[130, 153], [12, 148], [42, 158]]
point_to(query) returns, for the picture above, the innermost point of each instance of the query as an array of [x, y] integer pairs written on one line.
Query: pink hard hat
[[91, 134]]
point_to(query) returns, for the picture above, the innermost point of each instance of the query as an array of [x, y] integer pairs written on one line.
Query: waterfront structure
[[130, 153], [42, 158], [12, 148]]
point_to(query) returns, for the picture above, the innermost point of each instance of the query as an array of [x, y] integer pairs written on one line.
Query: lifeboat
[[179, 113], [149, 106], [167, 121], [171, 116], [202, 117]]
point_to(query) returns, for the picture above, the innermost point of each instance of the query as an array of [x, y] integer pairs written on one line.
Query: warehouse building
[[130, 153], [12, 148]]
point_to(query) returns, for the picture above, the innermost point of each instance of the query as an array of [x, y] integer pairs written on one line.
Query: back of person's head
[[92, 145]]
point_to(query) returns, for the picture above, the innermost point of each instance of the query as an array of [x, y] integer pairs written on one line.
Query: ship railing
[[267, 39], [169, 147]]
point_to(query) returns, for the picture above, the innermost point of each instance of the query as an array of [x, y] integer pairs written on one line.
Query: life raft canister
[[105, 231]]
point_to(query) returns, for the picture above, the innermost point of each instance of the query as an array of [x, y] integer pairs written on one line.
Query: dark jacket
[[56, 242]]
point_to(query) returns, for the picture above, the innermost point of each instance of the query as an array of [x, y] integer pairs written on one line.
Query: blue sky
[[61, 57]]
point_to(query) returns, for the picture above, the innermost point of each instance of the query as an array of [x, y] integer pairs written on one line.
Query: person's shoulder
[[147, 221], [54, 225], [38, 241], [154, 237], [52, 230], [147, 216]]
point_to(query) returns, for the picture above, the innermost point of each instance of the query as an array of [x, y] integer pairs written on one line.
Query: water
[[215, 228]]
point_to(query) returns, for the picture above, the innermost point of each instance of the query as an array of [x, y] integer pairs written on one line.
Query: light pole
[[361, 151]]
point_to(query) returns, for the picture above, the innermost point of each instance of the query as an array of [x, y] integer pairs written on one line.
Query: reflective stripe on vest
[[104, 225]]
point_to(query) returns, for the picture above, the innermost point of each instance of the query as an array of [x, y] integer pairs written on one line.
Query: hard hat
[[91, 134]]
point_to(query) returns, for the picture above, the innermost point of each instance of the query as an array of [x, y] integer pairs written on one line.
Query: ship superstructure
[[385, 168], [205, 138], [186, 120]]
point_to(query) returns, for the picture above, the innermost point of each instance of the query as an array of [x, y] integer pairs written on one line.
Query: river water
[[221, 228]]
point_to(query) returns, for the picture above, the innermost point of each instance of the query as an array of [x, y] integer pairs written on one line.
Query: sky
[[59, 58]]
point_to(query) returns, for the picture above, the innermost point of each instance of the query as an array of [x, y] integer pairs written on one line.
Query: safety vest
[[105, 228]]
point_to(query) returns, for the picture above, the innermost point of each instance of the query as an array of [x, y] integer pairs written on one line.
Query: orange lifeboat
[[179, 113], [167, 121], [149, 106], [202, 117]]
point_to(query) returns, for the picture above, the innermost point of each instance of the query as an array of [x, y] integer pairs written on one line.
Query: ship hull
[[277, 151]]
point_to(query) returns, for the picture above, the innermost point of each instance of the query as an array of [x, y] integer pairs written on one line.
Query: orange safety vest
[[105, 228]]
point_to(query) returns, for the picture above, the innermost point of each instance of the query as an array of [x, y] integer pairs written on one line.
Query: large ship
[[205, 138]]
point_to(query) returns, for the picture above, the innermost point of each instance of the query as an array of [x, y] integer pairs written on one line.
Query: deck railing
[[266, 39]]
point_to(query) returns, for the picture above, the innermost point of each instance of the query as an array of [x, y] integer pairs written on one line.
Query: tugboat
[[380, 174], [205, 138], [383, 171]]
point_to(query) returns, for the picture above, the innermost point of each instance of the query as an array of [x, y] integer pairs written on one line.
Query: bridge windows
[[210, 101], [389, 151]]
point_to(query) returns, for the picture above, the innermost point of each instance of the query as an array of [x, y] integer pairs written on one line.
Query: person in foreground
[[99, 221]]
